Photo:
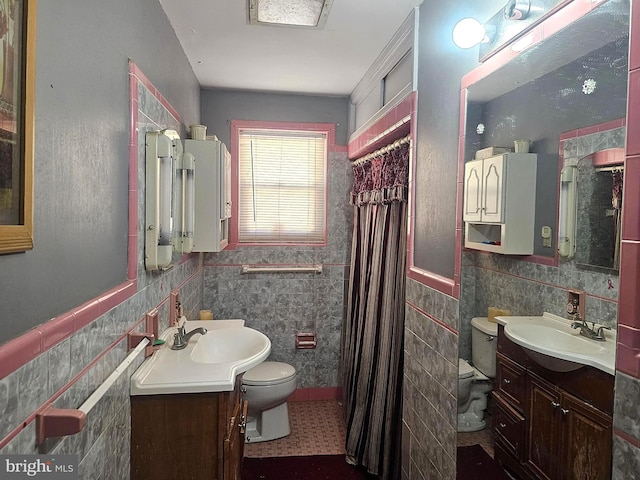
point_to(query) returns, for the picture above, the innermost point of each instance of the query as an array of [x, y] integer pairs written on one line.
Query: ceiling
[[226, 52]]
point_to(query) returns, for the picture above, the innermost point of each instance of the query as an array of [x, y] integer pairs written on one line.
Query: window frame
[[327, 129]]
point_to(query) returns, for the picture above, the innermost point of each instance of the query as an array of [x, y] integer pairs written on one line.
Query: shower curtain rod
[[382, 150]]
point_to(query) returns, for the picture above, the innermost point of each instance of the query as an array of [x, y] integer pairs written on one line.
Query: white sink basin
[[209, 363], [550, 341], [229, 345]]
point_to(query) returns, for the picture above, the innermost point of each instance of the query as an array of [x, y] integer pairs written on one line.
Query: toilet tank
[[483, 345]]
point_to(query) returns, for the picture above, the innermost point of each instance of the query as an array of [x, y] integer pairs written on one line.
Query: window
[[282, 186]]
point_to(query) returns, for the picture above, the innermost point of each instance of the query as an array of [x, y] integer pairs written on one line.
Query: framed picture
[[17, 92]]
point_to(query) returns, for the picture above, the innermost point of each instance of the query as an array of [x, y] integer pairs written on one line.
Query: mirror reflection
[[575, 79], [599, 214]]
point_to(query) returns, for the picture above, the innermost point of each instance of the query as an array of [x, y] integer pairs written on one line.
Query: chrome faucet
[[589, 332], [181, 338]]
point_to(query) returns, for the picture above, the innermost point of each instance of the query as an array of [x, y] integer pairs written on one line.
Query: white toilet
[[268, 386], [475, 381]]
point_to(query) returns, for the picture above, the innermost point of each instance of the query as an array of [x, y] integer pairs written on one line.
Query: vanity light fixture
[[469, 32], [567, 223], [289, 13], [185, 203], [161, 150]]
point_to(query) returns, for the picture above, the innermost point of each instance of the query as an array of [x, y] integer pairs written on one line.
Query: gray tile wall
[[430, 384], [279, 305]]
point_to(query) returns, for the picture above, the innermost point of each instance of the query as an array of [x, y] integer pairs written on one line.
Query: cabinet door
[[510, 381], [472, 211], [544, 428], [508, 428], [586, 441], [493, 189]]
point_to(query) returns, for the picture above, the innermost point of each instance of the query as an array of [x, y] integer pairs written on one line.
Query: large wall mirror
[[574, 79]]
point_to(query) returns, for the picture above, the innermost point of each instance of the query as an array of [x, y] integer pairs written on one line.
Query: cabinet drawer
[[510, 381], [508, 428]]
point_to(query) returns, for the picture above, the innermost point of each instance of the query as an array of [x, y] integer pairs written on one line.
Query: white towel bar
[[56, 422]]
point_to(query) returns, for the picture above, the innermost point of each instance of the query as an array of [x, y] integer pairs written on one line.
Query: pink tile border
[[4, 441], [321, 393], [629, 306], [631, 196], [628, 438], [432, 318]]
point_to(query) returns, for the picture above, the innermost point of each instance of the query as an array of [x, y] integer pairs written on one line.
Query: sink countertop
[[174, 371], [603, 357]]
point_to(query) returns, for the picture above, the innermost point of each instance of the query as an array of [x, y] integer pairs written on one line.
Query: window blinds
[[282, 186]]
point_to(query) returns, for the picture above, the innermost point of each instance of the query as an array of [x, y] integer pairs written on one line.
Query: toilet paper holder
[[305, 340]]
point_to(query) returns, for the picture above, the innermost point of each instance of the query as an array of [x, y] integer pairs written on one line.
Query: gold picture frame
[[17, 98]]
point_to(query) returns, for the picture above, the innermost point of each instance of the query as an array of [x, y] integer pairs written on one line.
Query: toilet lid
[[484, 325], [464, 369], [268, 372]]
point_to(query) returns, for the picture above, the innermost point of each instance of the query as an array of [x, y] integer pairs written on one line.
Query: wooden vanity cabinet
[[551, 425], [190, 436]]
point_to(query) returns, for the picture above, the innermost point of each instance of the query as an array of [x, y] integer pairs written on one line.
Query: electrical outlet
[[546, 236], [575, 303]]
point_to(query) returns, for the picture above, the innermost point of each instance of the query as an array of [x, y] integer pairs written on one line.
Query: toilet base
[[268, 425], [471, 422]]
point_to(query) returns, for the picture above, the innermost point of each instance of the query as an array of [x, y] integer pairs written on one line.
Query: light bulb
[[468, 33]]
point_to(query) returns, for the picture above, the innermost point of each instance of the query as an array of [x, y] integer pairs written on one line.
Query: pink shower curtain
[[372, 341]]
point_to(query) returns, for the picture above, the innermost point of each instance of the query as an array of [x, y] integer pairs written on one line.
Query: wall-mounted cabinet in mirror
[[574, 79]]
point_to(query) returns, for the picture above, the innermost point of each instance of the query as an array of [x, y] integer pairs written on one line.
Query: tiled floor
[[317, 428]]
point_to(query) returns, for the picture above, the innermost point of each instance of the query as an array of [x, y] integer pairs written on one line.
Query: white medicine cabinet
[[499, 203], [213, 194]]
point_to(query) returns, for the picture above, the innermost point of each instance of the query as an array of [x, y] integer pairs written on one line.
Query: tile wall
[[279, 305], [430, 384]]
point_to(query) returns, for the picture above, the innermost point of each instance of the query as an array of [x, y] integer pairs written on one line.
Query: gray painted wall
[[441, 65], [82, 150], [219, 107]]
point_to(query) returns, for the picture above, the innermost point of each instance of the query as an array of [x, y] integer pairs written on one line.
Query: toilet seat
[[464, 369], [269, 373]]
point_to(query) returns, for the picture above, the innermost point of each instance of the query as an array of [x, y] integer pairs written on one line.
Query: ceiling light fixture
[[289, 13], [469, 32]]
